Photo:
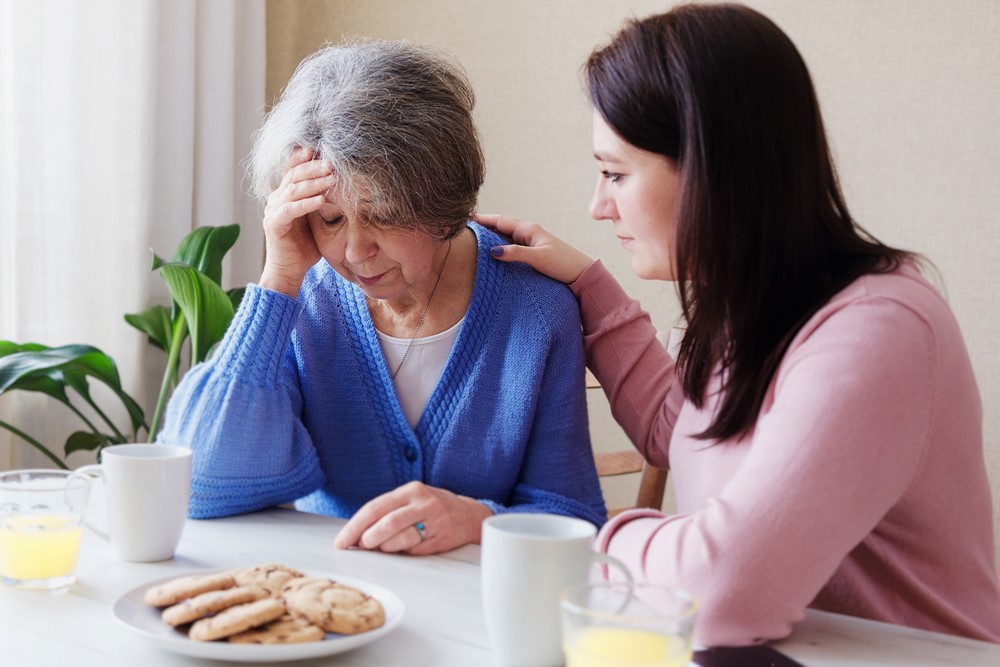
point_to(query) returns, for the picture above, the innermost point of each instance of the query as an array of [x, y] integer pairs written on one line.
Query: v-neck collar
[[376, 378]]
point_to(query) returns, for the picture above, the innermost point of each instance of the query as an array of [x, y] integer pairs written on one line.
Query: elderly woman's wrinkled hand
[[415, 518], [543, 251], [291, 249]]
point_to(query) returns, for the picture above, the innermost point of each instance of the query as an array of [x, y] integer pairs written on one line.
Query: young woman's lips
[[372, 280]]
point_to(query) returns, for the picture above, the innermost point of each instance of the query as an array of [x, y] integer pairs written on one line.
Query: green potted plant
[[200, 312]]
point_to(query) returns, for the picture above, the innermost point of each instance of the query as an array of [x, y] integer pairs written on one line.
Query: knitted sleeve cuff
[[216, 497], [597, 291], [590, 275]]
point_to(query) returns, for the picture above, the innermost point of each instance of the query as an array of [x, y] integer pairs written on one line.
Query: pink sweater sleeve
[[634, 368], [840, 436]]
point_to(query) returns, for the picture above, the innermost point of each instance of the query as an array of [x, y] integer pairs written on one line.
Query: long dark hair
[[764, 237]]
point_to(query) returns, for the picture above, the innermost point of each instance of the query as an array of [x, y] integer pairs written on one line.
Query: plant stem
[[169, 374], [107, 421], [34, 443], [81, 416]]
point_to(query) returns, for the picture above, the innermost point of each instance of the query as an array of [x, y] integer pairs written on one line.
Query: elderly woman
[[385, 368]]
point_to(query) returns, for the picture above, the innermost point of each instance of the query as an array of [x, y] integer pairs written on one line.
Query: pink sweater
[[861, 488]]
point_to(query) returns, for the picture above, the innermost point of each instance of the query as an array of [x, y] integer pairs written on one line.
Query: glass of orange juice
[[627, 625], [41, 519]]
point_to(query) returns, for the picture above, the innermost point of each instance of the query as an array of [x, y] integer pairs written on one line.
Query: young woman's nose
[[602, 205]]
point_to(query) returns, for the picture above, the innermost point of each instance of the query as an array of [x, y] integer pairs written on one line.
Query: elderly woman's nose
[[360, 246]]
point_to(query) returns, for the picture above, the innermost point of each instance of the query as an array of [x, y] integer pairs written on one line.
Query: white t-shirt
[[422, 369]]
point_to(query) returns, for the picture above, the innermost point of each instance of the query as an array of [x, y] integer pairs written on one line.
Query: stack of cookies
[[266, 604]]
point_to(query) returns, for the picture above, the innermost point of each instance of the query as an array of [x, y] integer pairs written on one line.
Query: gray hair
[[394, 119]]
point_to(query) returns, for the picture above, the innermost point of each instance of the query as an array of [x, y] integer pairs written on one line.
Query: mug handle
[[91, 472], [607, 560]]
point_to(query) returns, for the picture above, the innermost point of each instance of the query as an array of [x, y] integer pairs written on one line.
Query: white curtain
[[123, 125]]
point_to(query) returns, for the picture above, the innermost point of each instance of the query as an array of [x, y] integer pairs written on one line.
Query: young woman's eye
[[612, 176]]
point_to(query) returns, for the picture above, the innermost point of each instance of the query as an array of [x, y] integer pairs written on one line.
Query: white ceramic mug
[[527, 560], [146, 487]]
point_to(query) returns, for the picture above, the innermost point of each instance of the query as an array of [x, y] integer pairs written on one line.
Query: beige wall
[[910, 91]]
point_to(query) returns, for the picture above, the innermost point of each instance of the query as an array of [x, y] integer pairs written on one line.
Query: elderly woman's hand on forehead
[[416, 519], [291, 249]]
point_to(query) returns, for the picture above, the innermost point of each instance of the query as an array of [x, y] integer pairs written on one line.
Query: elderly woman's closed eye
[[385, 369]]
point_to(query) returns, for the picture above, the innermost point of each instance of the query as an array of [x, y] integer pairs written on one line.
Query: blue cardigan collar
[[458, 371]]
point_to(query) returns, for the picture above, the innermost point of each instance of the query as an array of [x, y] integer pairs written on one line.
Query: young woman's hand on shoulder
[[536, 247]]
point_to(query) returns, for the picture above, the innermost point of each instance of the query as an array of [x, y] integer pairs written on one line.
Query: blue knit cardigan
[[297, 403]]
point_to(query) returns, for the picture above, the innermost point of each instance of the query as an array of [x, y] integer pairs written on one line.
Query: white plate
[[143, 620]]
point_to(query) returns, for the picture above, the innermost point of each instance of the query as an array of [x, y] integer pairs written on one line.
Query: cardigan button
[[410, 453]]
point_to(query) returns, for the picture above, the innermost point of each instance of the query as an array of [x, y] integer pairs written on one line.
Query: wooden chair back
[[652, 480]]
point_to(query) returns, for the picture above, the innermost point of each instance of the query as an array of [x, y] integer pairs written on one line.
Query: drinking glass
[[627, 625], [41, 519]]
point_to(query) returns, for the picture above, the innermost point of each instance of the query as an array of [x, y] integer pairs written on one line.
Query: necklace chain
[[423, 315]]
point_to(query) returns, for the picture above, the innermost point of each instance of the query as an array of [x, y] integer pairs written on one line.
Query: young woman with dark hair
[[822, 421]]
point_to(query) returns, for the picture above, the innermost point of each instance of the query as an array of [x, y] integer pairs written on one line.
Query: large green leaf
[[135, 412], [42, 369], [49, 383], [19, 365], [199, 305], [86, 441], [205, 247], [155, 323], [10, 347], [77, 379], [206, 307]]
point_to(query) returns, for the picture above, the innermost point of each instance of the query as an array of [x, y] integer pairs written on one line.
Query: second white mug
[[147, 487], [527, 560]]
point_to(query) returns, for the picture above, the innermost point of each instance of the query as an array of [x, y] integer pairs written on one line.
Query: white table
[[443, 625]]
